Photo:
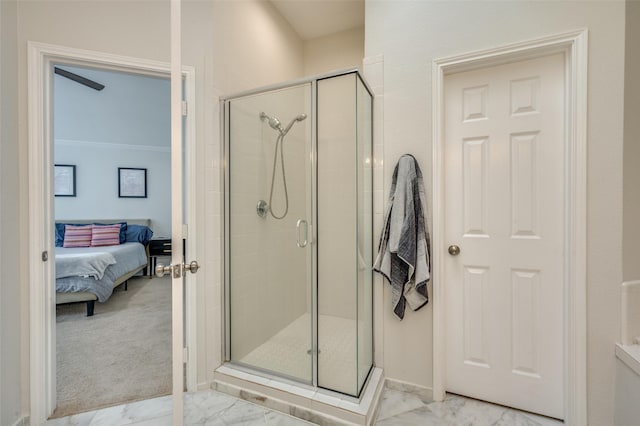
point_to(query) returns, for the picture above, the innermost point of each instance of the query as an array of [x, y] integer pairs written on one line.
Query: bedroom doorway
[[111, 129], [42, 64]]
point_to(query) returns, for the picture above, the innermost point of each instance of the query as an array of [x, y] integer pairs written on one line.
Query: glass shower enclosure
[[298, 231]]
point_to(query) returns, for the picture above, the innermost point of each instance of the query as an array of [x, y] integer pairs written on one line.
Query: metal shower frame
[[225, 120]]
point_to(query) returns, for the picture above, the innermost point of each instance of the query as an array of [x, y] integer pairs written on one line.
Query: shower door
[[269, 231], [298, 232]]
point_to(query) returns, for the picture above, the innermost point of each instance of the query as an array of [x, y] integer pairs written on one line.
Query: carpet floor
[[121, 354]]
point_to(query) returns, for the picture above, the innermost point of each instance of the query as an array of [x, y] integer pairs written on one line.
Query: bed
[[89, 274]]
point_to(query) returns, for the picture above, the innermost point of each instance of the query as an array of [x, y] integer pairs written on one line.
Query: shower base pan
[[318, 406], [288, 352]]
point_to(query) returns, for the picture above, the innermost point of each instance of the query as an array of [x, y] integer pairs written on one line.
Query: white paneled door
[[504, 224]]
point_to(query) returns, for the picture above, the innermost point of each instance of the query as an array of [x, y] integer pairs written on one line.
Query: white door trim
[[574, 45], [42, 295]]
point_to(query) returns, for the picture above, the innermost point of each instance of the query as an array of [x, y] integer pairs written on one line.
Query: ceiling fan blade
[[78, 79]]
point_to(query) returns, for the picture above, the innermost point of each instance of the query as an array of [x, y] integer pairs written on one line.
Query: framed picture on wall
[[64, 180], [132, 183]]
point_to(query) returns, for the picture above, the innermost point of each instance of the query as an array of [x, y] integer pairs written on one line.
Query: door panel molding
[[41, 57], [574, 45]]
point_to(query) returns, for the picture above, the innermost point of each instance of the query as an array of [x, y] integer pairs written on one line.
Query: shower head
[[273, 122], [277, 125]]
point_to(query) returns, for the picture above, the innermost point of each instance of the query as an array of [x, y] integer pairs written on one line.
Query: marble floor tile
[[420, 416], [541, 420], [397, 408], [208, 408], [158, 421], [394, 402], [133, 413], [81, 419], [201, 406]]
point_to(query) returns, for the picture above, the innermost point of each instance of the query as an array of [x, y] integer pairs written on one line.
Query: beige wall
[[410, 35], [334, 52], [232, 45], [631, 166], [12, 393], [254, 46]]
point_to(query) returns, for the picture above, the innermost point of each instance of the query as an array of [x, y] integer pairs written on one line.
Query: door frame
[[574, 45], [41, 58]]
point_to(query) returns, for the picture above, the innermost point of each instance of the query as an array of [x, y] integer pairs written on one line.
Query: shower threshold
[[318, 406]]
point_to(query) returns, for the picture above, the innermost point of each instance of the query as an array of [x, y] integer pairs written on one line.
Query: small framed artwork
[[132, 183], [64, 180]]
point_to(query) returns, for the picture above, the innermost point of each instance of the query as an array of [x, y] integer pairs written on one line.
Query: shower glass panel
[[344, 234], [298, 232], [364, 166], [269, 201]]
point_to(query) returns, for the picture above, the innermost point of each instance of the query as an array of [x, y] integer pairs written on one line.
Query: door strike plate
[[177, 271]]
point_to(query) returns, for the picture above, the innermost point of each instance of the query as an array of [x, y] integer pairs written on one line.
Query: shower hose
[[279, 142]]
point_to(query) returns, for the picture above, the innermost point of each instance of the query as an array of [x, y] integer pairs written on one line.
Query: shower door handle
[[303, 243]]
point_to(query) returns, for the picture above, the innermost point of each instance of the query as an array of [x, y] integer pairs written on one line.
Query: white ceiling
[[318, 18]]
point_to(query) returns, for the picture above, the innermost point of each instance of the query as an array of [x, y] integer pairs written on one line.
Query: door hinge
[[185, 355], [185, 108]]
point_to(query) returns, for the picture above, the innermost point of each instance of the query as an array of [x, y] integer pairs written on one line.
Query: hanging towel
[[403, 253]]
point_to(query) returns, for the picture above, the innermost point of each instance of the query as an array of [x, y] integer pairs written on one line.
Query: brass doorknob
[[454, 250]]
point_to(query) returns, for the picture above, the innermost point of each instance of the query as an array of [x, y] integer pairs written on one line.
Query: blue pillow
[[60, 231], [123, 230], [59, 234], [138, 234]]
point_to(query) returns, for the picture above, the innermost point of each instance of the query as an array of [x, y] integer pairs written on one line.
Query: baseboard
[[423, 392], [22, 422]]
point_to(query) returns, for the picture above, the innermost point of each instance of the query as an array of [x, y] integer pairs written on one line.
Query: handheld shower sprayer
[[275, 124], [301, 117]]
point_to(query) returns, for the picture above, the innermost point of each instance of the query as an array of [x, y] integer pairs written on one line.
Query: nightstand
[[158, 247]]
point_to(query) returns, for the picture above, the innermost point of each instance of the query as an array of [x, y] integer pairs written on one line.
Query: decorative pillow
[[59, 234], [77, 236], [123, 230], [105, 235], [139, 234]]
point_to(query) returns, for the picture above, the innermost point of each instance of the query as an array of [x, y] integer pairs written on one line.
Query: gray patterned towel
[[403, 253]]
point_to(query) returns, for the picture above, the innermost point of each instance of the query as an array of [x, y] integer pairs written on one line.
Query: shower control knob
[[454, 250], [262, 208]]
